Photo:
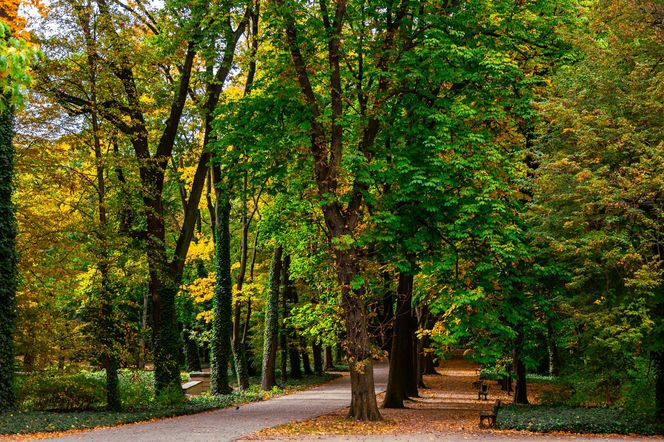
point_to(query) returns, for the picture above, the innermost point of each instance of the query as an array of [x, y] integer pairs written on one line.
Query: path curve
[[229, 423]]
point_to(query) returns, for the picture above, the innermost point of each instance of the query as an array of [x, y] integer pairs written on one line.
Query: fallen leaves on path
[[448, 406]]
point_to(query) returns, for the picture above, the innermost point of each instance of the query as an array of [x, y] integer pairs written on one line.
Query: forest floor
[[447, 410]]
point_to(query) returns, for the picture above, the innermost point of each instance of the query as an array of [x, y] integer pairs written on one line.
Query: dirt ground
[[449, 406]]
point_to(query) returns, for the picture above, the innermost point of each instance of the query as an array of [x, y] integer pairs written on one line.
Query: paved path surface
[[230, 424]]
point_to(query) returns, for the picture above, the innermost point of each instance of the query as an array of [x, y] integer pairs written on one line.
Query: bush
[[136, 389], [57, 392], [542, 418]]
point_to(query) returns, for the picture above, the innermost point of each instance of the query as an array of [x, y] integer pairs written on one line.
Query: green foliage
[[16, 58], [545, 419], [8, 258], [53, 391]]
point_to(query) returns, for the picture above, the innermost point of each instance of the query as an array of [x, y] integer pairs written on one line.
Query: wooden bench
[[483, 390], [489, 416], [193, 387]]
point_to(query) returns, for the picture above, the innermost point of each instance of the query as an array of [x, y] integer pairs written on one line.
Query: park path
[[230, 423]]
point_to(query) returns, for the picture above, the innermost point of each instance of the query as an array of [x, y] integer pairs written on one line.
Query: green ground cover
[[544, 418]]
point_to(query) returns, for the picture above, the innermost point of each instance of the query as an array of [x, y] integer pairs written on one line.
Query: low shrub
[[543, 418], [52, 391]]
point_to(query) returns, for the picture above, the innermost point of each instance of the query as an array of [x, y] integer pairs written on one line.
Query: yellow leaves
[[202, 289], [207, 316], [147, 99], [583, 175], [201, 249]]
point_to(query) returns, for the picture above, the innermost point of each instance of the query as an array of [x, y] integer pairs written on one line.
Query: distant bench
[[199, 382], [482, 389]]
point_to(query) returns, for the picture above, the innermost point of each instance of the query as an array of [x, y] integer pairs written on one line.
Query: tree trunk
[[106, 319], [413, 376], [318, 358], [363, 405], [401, 360], [272, 323], [306, 363], [328, 364], [554, 358], [520, 388], [220, 349], [658, 359], [8, 259]]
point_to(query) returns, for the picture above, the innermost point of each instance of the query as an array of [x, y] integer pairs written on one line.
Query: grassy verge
[[24, 422], [542, 418]]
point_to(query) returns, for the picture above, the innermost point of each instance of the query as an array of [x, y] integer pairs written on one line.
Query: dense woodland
[[272, 187]]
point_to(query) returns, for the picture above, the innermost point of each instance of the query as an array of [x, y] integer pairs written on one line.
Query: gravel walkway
[[230, 423]]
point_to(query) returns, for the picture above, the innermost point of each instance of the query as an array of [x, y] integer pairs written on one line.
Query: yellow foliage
[[201, 249], [202, 289]]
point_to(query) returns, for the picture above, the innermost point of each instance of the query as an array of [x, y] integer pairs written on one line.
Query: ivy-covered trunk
[[220, 350], [8, 260], [272, 323]]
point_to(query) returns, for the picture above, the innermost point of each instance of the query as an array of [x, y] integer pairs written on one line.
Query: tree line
[[253, 183]]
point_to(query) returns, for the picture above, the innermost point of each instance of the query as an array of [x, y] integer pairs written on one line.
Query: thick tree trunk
[[8, 259], [317, 351], [295, 361], [520, 388], [220, 349], [272, 323], [363, 405], [401, 360]]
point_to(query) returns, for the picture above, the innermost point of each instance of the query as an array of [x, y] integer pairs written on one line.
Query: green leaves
[[16, 58]]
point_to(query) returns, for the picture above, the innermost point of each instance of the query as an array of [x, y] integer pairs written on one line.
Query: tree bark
[[401, 359], [328, 364], [8, 260], [317, 351], [306, 362], [520, 388], [272, 323], [363, 405]]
